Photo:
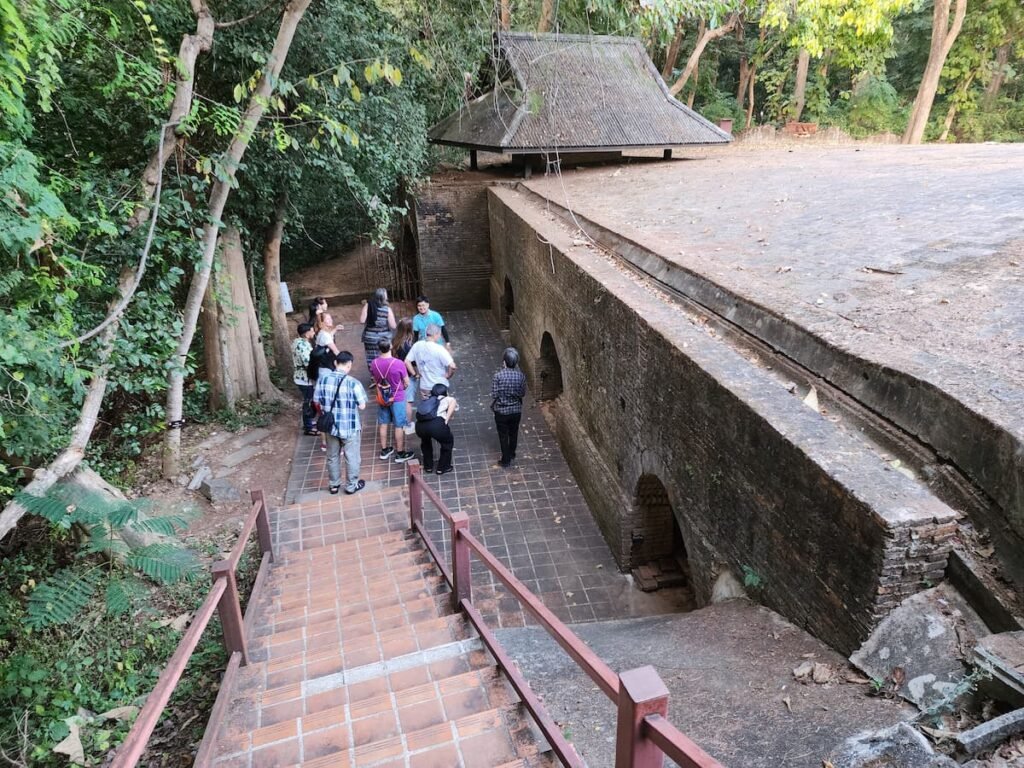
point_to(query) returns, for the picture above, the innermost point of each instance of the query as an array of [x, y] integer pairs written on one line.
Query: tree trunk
[[693, 91], [698, 50], [998, 76], [750, 98], [293, 13], [672, 55], [803, 61], [506, 15], [944, 35], [235, 361], [954, 105], [272, 284], [191, 46], [547, 16]]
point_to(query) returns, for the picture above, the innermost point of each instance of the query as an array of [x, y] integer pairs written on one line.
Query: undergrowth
[[58, 678]]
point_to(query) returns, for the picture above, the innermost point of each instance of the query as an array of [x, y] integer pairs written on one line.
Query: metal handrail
[[223, 598], [580, 652], [643, 735], [676, 744]]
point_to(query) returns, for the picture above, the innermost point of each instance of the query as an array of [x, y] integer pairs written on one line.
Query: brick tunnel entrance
[[508, 305], [658, 554], [549, 369]]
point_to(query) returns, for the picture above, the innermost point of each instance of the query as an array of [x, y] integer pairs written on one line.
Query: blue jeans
[[392, 414], [308, 420], [350, 447]]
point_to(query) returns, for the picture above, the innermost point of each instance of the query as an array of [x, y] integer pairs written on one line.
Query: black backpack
[[313, 366], [427, 409]]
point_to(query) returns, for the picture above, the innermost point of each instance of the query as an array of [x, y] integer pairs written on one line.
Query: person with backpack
[[508, 388], [339, 398], [432, 418], [378, 323], [392, 380]]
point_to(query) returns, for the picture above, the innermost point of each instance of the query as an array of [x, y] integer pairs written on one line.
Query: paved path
[[533, 516]]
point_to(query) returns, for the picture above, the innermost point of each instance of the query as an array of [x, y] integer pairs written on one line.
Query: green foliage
[[751, 578], [103, 524], [874, 107]]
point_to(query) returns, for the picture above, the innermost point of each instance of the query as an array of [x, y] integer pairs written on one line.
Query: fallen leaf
[[72, 745], [119, 713], [785, 700]]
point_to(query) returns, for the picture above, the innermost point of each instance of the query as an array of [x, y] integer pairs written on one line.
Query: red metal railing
[[643, 735], [224, 599]]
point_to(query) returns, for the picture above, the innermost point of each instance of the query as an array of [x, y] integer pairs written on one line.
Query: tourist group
[[411, 365]]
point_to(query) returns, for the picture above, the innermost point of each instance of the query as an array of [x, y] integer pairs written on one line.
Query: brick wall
[[758, 483], [453, 241]]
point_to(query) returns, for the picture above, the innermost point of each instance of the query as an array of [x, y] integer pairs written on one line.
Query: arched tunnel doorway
[[508, 305], [658, 553], [549, 369]]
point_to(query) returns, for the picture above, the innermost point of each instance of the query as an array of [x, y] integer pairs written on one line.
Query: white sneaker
[[410, 429]]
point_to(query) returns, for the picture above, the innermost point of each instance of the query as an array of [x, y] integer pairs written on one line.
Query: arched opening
[[549, 370], [508, 305], [658, 552]]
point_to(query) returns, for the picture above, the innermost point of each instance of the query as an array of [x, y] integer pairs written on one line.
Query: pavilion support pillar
[[472, 159], [667, 154]]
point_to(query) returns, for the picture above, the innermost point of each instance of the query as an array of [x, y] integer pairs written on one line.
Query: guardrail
[[224, 599], [643, 735]]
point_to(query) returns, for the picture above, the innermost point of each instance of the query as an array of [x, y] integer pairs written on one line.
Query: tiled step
[[300, 659], [541, 760], [395, 542], [485, 738], [253, 708], [351, 621], [328, 608]]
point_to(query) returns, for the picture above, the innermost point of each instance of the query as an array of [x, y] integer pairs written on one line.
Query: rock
[[897, 747], [921, 645], [182, 480], [803, 671], [202, 474], [822, 673], [991, 734], [198, 461], [726, 588], [219, 491]]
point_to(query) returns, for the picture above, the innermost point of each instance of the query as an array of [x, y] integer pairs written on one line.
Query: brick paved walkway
[[533, 517]]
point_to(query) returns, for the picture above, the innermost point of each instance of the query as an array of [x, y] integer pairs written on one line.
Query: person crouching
[[432, 423]]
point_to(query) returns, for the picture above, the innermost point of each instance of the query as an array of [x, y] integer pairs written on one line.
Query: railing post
[[262, 522], [641, 693], [415, 494], [461, 587], [230, 610]]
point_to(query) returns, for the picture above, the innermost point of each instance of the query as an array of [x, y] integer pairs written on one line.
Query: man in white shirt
[[430, 361]]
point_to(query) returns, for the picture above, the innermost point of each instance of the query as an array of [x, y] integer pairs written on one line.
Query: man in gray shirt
[[430, 361]]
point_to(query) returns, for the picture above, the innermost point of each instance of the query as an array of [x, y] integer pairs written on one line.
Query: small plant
[[115, 549], [751, 578], [248, 413]]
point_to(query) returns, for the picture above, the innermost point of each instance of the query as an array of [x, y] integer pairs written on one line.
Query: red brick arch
[[549, 369]]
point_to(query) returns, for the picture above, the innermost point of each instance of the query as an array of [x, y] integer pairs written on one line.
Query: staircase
[[357, 659]]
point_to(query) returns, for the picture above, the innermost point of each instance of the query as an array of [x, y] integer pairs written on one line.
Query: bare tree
[[505, 15], [944, 35], [998, 76], [672, 55], [803, 61], [272, 283], [293, 13], [698, 50], [547, 16]]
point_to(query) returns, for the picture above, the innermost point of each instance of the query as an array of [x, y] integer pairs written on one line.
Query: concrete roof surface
[[909, 256]]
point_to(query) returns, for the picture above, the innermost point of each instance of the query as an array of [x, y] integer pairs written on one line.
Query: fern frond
[[49, 507], [164, 563], [123, 593], [60, 598], [166, 525], [102, 542]]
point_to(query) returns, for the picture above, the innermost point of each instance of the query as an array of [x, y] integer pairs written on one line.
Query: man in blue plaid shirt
[[343, 397], [508, 388]]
